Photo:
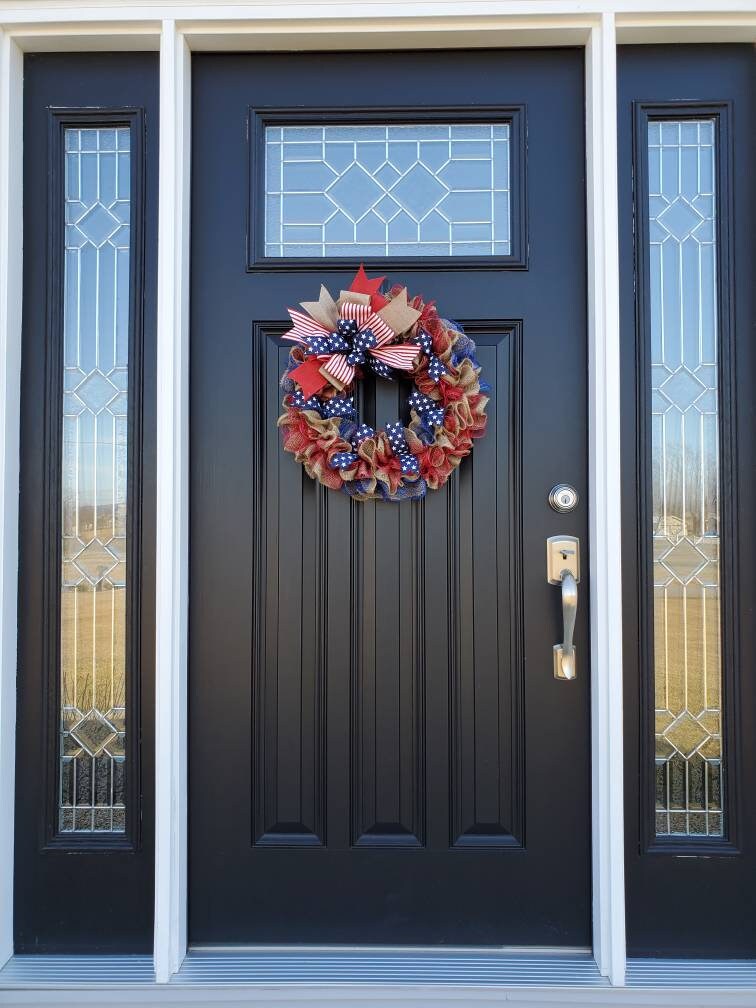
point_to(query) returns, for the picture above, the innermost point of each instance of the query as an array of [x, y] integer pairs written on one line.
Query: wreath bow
[[361, 336], [366, 328]]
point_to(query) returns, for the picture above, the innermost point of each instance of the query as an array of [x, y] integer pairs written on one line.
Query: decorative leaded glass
[[422, 190], [685, 477], [94, 480]]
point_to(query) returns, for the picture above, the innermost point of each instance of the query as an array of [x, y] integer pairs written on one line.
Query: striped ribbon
[[336, 368]]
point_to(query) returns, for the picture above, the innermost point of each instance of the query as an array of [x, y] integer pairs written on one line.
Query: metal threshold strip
[[74, 970], [390, 966], [348, 976]]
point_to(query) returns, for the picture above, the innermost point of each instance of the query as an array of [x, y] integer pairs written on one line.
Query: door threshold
[[385, 978], [344, 965], [501, 950]]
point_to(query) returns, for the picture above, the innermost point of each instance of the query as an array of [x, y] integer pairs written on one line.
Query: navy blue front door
[[379, 751]]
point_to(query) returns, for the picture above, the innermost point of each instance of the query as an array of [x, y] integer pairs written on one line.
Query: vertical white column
[[11, 245], [605, 526], [172, 505]]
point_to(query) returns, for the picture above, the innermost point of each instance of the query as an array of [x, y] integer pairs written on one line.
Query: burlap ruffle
[[377, 473]]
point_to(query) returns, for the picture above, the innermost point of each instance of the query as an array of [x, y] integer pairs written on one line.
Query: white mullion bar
[[172, 505], [11, 245], [605, 497]]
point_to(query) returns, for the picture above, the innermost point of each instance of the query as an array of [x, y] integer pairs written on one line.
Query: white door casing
[[176, 29]]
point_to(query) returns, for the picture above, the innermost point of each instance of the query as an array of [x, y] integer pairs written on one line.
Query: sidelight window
[[683, 343], [94, 489]]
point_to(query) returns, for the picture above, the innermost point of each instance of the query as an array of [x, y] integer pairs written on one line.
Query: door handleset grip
[[564, 653], [563, 568]]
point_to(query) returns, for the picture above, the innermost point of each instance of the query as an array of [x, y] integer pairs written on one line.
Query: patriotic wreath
[[391, 335]]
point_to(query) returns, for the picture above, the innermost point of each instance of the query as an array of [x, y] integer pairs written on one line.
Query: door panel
[[387, 642], [85, 732], [379, 751], [687, 202]]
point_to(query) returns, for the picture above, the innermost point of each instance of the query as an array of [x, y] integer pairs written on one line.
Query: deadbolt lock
[[563, 497]]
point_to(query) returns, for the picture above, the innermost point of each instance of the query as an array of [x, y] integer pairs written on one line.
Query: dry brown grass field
[[93, 633]]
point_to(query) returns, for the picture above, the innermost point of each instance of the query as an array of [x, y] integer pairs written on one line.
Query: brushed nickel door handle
[[564, 653], [563, 568]]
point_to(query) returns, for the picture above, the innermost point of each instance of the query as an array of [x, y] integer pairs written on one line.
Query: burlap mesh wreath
[[335, 341]]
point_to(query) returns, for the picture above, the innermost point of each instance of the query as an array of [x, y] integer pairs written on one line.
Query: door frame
[[599, 27]]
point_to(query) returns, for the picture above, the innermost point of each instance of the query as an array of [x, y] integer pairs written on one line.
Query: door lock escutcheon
[[563, 568]]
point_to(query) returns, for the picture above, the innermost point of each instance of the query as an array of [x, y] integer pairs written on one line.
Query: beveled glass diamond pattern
[[682, 389], [680, 218], [94, 452], [684, 561], [387, 208], [685, 478], [353, 190], [410, 190], [418, 191], [95, 561], [98, 225], [96, 391], [686, 734], [93, 732]]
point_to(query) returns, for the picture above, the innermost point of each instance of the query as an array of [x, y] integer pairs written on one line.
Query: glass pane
[[685, 478], [424, 190], [94, 480]]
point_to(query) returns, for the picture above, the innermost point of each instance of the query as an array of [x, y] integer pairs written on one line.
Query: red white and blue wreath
[[391, 335]]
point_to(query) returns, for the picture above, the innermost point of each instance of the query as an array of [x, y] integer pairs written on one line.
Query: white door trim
[[604, 517], [172, 530], [11, 240], [176, 28]]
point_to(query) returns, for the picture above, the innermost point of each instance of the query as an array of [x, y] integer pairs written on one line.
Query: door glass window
[[94, 480], [685, 515], [402, 190]]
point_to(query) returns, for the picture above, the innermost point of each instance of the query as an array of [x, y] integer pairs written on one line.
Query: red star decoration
[[363, 285], [309, 378]]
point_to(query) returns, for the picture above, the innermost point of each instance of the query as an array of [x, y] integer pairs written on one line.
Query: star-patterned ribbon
[[428, 409], [297, 399], [339, 406], [363, 432], [343, 460], [436, 366], [395, 435]]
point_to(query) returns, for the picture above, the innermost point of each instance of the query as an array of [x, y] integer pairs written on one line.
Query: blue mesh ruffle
[[405, 491]]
